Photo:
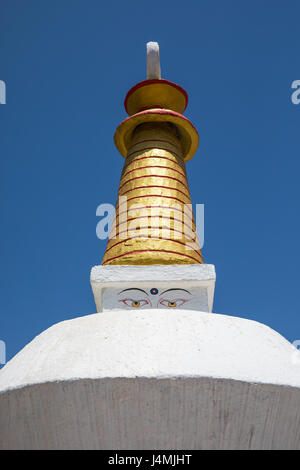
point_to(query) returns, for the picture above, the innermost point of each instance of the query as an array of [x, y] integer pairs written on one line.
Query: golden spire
[[154, 222]]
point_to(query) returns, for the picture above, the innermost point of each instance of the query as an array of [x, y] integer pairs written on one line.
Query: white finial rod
[[153, 60]]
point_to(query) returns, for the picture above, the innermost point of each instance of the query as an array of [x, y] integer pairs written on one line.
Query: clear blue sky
[[67, 65]]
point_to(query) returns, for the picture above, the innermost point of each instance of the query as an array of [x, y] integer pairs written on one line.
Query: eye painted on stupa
[[139, 299], [154, 291], [173, 303], [135, 303]]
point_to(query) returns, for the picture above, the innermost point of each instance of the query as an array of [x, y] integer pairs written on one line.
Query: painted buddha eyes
[[164, 302], [142, 298]]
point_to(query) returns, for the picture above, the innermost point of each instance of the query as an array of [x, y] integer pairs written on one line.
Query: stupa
[[154, 368]]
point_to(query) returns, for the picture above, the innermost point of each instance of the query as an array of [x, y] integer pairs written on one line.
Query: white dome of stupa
[[136, 378]]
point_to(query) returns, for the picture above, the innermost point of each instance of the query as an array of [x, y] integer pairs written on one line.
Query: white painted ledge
[[159, 272]]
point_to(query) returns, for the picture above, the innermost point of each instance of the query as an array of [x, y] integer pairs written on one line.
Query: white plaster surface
[[158, 272], [152, 379], [199, 277], [154, 343], [141, 413]]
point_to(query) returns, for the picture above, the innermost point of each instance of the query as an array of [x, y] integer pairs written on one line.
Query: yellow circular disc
[[156, 93], [188, 134]]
